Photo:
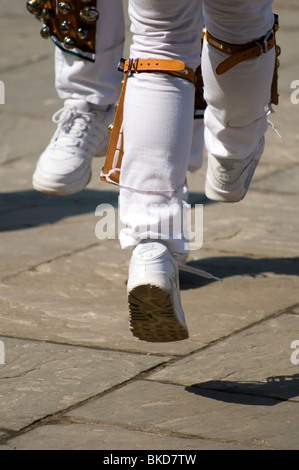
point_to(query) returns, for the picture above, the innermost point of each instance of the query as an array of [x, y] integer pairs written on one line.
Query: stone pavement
[[72, 375]]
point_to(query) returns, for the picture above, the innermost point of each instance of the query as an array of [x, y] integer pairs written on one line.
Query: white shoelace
[[71, 124], [198, 272]]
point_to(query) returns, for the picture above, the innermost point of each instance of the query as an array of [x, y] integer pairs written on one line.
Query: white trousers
[[158, 111]]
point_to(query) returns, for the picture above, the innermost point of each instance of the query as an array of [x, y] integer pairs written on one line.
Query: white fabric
[[158, 108]]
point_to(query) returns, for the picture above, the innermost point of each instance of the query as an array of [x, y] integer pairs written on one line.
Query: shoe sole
[[60, 189], [152, 315]]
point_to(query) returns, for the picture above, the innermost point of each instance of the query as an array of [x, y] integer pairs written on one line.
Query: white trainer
[[65, 166], [156, 313], [228, 180]]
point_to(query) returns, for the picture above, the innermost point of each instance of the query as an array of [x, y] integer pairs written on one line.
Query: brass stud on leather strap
[[89, 15], [83, 32], [69, 43], [35, 6], [65, 27], [45, 14], [46, 32], [64, 7]]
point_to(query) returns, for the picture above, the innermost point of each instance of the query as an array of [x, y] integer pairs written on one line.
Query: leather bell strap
[[71, 24], [239, 53]]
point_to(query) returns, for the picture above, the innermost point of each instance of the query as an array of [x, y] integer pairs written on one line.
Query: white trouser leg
[[98, 82], [158, 120], [158, 108], [235, 119]]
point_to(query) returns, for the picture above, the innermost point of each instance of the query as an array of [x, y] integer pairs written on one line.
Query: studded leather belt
[[72, 23]]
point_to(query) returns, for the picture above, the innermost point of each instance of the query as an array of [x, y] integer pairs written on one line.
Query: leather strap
[[239, 53], [111, 170], [173, 67]]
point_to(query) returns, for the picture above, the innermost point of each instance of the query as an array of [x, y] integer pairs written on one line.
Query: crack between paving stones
[[25, 63], [48, 419], [91, 347], [49, 261], [276, 192], [226, 237], [150, 430], [143, 376], [69, 420], [271, 316]]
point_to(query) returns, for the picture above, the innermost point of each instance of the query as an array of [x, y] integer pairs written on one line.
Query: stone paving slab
[[39, 379], [25, 28], [246, 420], [255, 361], [102, 437], [264, 225], [61, 301]]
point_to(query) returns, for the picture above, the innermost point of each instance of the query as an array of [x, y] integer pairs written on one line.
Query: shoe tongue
[[81, 105]]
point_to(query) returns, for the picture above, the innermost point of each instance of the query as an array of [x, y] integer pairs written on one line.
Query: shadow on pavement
[[227, 266], [269, 393], [25, 209]]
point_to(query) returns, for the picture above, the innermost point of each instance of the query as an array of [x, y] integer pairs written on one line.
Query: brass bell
[[45, 14], [89, 15], [110, 129], [69, 43], [65, 27], [83, 32], [278, 50], [45, 32], [64, 7], [34, 7]]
